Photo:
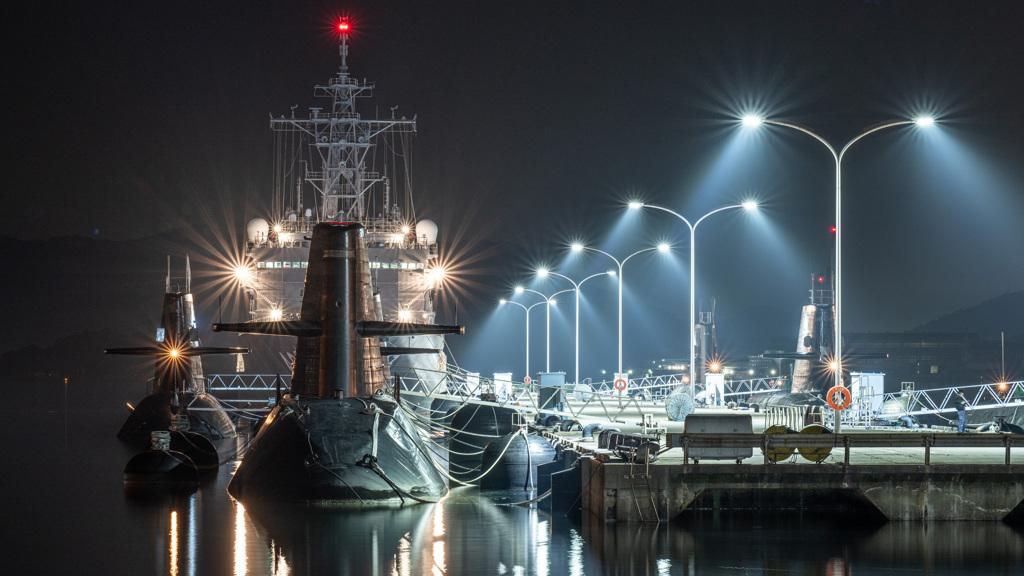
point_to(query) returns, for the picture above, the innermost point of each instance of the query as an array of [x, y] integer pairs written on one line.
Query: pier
[[904, 475], [641, 466]]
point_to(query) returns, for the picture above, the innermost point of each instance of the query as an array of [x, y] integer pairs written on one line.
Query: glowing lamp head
[[577, 247], [434, 276], [833, 365], [636, 205], [612, 273], [752, 120], [404, 315], [405, 229], [276, 314], [243, 274], [664, 247], [344, 27], [502, 301], [542, 273], [519, 289], [174, 352], [924, 121], [750, 205]]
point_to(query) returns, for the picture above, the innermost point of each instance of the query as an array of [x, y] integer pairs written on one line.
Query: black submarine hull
[[338, 450], [158, 412]]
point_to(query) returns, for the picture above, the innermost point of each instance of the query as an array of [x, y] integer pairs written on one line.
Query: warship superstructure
[[333, 165]]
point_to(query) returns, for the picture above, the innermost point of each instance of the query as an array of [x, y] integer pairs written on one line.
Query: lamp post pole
[[838, 157], [527, 309], [547, 300], [693, 252], [576, 286], [580, 248]]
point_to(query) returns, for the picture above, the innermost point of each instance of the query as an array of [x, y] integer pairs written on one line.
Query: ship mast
[[342, 139]]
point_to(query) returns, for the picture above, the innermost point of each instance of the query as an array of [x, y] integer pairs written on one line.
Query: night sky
[[537, 121]]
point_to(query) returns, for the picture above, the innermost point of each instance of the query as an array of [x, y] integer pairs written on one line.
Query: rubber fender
[[589, 429]]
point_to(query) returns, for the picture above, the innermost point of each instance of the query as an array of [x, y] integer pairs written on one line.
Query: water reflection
[[468, 533], [79, 519]]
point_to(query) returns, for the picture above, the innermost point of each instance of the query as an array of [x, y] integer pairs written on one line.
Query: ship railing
[[248, 382]]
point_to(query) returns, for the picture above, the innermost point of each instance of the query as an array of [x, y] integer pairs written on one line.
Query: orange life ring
[[844, 391], [620, 384]]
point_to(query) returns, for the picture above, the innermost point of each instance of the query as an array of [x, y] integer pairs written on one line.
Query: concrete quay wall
[[620, 491]]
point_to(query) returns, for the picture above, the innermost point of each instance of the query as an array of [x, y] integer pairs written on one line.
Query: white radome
[[257, 228], [426, 230]]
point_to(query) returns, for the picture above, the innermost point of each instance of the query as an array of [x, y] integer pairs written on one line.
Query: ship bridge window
[[287, 264], [261, 265]]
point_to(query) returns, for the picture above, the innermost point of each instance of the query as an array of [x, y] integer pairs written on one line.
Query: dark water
[[65, 511]]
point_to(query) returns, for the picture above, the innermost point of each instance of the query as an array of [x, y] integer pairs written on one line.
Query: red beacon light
[[344, 27]]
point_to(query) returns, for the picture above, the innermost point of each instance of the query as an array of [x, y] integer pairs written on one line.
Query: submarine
[[812, 374], [182, 425], [338, 436]]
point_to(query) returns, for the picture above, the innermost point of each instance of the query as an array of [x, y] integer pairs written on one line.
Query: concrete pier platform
[[924, 474]]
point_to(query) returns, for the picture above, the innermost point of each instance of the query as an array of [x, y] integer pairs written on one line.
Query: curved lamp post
[[660, 247], [549, 300], [756, 121], [543, 273], [749, 206], [527, 308]]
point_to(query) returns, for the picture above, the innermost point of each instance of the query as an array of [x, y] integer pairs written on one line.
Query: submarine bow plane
[[337, 436]]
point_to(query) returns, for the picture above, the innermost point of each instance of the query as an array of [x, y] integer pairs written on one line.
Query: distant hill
[[67, 298], [1000, 314]]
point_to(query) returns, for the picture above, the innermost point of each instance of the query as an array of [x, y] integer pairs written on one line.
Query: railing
[[793, 417], [937, 400], [769, 442], [247, 382]]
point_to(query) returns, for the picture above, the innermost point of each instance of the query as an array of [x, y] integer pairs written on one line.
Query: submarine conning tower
[[338, 362]]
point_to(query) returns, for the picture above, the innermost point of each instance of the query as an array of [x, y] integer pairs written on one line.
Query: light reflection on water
[[69, 514]]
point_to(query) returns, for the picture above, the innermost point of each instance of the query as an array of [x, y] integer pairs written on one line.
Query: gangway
[[939, 400]]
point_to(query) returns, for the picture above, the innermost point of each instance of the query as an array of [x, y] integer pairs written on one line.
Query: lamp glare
[[752, 121]]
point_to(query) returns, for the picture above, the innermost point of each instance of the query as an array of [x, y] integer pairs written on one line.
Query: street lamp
[[577, 247], [749, 206], [527, 308], [754, 121], [543, 273], [549, 300]]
